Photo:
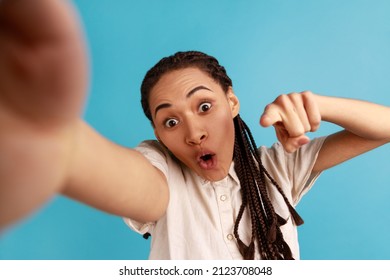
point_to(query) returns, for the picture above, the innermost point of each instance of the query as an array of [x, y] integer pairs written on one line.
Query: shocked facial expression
[[193, 118]]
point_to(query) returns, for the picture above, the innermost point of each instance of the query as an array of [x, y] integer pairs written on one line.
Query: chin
[[214, 176]]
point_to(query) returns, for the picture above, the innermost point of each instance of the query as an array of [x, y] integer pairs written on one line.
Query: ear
[[233, 102]]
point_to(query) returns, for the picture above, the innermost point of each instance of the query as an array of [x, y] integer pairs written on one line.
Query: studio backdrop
[[331, 47]]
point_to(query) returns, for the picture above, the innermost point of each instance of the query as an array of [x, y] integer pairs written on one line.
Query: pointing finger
[[270, 116]]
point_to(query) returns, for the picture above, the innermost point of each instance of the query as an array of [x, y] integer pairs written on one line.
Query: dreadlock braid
[[252, 174], [266, 234]]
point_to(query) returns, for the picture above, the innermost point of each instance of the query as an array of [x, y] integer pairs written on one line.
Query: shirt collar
[[232, 174]]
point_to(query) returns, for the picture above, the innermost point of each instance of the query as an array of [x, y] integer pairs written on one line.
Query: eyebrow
[[188, 95]]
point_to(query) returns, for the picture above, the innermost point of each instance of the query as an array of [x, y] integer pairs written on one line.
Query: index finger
[[270, 116]]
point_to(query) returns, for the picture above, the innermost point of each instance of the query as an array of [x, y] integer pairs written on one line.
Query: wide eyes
[[204, 107], [171, 123]]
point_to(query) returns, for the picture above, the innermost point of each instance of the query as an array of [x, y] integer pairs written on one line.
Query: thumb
[[292, 144]]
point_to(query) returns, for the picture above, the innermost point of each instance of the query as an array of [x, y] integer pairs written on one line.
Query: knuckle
[[281, 98], [315, 125], [298, 132], [268, 107], [295, 95], [316, 121], [307, 93], [296, 98], [301, 129], [308, 127], [284, 102]]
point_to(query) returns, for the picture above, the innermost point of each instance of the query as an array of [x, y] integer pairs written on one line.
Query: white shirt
[[200, 217]]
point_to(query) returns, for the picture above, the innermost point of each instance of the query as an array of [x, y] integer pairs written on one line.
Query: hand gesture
[[292, 115]]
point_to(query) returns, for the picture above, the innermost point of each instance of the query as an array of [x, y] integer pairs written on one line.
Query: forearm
[[114, 179], [364, 119], [33, 166]]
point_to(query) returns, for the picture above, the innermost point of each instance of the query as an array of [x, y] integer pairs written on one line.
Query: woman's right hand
[[43, 67], [43, 83]]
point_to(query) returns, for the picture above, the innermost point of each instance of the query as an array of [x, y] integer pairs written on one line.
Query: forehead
[[177, 87], [182, 80]]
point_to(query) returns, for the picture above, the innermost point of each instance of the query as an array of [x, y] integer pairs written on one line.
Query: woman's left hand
[[292, 115]]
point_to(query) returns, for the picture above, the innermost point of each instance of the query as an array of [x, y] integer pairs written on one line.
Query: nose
[[196, 134]]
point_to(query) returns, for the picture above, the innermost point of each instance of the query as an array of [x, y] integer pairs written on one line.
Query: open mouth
[[206, 157], [207, 161]]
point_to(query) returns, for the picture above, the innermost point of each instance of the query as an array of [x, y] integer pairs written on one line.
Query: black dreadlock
[[265, 222]]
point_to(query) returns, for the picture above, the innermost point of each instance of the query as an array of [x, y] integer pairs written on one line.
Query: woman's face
[[193, 118]]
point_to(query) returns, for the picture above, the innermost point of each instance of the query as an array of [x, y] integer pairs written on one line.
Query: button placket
[[222, 192]]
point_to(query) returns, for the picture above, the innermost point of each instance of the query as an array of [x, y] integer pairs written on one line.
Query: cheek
[[170, 140], [166, 138], [223, 123], [221, 135]]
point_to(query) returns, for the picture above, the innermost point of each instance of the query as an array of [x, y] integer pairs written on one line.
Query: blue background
[[338, 48]]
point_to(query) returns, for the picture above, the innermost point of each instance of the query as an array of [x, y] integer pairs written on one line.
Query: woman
[[202, 139], [190, 102]]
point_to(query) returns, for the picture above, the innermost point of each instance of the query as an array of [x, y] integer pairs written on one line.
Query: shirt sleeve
[[300, 166], [156, 154], [293, 171]]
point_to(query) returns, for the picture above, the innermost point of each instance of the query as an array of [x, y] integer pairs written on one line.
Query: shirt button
[[223, 197], [229, 236]]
